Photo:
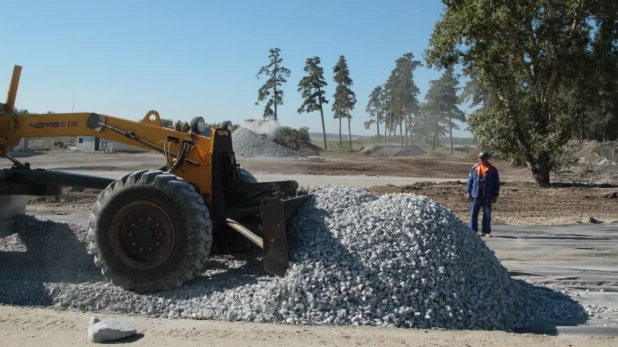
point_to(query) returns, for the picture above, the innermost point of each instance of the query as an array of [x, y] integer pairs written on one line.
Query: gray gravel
[[398, 260], [248, 144]]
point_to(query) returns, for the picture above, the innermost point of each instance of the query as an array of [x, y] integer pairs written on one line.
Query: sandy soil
[[523, 203], [575, 257], [49, 327]]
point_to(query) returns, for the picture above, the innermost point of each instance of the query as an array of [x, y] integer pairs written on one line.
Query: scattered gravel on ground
[[397, 260], [248, 144], [594, 311]]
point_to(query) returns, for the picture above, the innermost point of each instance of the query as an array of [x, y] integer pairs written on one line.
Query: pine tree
[[402, 92], [271, 90], [441, 106], [375, 109], [338, 111], [451, 101], [311, 88], [345, 99]]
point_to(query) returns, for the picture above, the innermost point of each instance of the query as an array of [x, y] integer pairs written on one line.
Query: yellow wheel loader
[[153, 230]]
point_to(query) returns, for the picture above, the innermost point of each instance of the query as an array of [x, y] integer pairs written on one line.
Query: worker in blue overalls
[[482, 191]]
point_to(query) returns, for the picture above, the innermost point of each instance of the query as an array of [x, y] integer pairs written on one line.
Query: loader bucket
[[276, 216]]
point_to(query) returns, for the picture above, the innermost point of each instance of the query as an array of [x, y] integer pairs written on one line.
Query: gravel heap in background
[[248, 144], [397, 260]]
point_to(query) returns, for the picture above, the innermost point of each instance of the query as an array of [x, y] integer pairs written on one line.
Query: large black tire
[[150, 231]]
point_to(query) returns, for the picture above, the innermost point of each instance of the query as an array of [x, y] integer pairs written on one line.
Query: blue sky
[[200, 58]]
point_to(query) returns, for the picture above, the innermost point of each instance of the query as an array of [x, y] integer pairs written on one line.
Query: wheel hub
[[143, 234]]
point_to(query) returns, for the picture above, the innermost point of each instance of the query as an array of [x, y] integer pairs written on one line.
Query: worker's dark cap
[[484, 155]]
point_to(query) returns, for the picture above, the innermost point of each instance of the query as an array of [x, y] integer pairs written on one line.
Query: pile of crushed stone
[[591, 152], [248, 144], [397, 260], [599, 153]]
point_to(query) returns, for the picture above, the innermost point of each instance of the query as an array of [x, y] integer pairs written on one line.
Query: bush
[[303, 134], [286, 134]]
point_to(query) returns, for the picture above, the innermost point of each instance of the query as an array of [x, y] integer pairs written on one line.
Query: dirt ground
[[522, 203], [50, 327], [572, 200]]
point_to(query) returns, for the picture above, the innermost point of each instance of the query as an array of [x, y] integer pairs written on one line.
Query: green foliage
[[311, 88], [167, 123], [401, 95], [440, 109], [286, 133], [369, 123], [523, 57], [271, 90], [345, 98], [25, 111], [375, 108]]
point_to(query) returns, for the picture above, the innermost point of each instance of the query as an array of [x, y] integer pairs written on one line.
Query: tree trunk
[[401, 129], [450, 130], [410, 128], [434, 140], [275, 88], [581, 127], [322, 115], [378, 123], [405, 120], [387, 126], [339, 129], [350, 130], [394, 131], [604, 110], [540, 170]]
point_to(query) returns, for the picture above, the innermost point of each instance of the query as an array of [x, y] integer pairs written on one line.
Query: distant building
[[95, 144], [22, 146], [88, 143]]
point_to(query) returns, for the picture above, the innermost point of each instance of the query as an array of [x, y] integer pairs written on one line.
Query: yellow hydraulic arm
[[147, 133], [162, 240]]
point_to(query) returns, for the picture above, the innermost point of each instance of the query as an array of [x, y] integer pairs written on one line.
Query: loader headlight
[[198, 125]]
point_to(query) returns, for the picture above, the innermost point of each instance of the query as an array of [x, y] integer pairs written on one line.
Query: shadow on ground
[[553, 309]]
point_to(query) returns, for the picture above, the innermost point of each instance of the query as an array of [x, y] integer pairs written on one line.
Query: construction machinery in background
[[153, 230]]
